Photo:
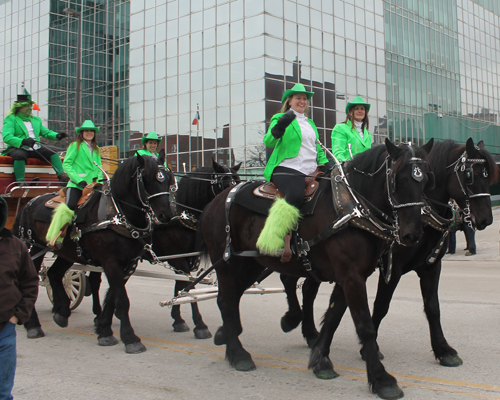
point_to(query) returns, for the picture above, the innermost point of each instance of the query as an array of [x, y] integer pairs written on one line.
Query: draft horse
[[463, 173], [194, 191], [390, 179], [138, 195]]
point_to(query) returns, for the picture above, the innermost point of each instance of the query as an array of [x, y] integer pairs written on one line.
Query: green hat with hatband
[[150, 136], [358, 100], [87, 125], [298, 88]]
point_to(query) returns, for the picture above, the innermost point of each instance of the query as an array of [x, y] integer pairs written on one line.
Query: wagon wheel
[[74, 283]]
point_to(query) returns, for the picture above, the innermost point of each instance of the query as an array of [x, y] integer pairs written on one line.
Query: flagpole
[[197, 135]]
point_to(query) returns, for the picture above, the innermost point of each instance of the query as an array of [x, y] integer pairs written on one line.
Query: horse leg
[[234, 279], [33, 326], [429, 283], [116, 281], [201, 330], [380, 381], [385, 291], [319, 360], [179, 324], [95, 279], [61, 308], [103, 322], [309, 293], [293, 316]]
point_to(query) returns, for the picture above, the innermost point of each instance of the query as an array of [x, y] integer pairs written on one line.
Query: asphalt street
[[68, 363]]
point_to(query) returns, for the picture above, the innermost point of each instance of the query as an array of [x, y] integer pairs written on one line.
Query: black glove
[[326, 167], [61, 136], [30, 142], [286, 119], [82, 184]]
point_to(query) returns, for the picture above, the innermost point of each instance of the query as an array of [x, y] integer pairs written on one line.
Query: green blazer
[[288, 145], [344, 135], [14, 131], [79, 164]]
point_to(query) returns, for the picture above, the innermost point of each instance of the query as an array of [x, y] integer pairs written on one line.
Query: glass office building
[[209, 74], [39, 48]]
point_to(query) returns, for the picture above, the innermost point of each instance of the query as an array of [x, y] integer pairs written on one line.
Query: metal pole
[[78, 70]]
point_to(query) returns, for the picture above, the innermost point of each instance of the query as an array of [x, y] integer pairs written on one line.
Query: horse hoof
[[60, 320], [202, 333], [289, 323], [135, 348], [451, 360], [107, 341], [35, 333], [219, 338], [390, 392], [326, 373], [182, 327], [245, 365]]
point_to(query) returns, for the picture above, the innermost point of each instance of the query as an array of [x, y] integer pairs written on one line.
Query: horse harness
[[349, 210]]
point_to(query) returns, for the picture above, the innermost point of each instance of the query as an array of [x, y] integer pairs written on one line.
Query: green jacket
[[344, 135], [79, 164], [287, 146], [144, 152], [14, 131]]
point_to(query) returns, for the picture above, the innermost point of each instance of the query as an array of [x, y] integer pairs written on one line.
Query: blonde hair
[[286, 106]]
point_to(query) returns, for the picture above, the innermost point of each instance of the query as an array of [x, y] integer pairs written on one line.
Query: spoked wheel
[[74, 283]]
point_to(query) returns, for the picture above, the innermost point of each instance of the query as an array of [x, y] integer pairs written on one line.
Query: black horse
[[195, 190], [391, 182], [463, 173], [139, 196]]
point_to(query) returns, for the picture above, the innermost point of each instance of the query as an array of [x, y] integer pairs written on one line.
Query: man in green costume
[[21, 132]]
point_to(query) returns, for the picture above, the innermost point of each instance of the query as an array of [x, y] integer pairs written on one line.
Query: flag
[[196, 118], [35, 106]]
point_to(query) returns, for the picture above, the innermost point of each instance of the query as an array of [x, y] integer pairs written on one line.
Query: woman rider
[[352, 137], [79, 165], [293, 136], [150, 143]]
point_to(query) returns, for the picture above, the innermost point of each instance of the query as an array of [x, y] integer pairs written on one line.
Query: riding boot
[[61, 217], [282, 219], [19, 170]]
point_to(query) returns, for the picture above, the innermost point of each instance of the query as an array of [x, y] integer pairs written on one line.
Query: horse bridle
[[468, 172], [146, 197], [218, 181]]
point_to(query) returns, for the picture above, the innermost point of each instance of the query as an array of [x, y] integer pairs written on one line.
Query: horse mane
[[369, 162], [122, 177], [194, 188]]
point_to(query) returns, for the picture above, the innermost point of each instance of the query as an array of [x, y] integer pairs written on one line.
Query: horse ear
[[428, 146], [161, 157], [140, 160], [480, 144], [469, 147], [392, 149], [236, 168], [217, 167]]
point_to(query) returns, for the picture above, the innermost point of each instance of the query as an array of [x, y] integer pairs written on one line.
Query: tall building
[[42, 48], [209, 74]]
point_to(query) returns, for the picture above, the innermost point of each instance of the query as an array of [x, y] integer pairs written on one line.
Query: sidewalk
[[487, 243]]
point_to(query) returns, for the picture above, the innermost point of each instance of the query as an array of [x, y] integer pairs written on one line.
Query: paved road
[[68, 364]]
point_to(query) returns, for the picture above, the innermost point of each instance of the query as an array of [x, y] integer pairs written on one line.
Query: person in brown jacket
[[18, 293]]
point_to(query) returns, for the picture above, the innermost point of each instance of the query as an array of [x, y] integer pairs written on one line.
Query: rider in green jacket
[[150, 143], [352, 137]]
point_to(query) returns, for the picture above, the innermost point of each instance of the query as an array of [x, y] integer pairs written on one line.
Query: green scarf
[[24, 117]]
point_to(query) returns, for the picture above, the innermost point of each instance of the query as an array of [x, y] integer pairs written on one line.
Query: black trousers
[[43, 154], [291, 183], [72, 197]]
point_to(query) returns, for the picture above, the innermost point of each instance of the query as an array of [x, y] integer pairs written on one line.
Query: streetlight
[[78, 15]]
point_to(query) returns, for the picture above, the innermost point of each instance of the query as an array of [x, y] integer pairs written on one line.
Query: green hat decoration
[[87, 125], [358, 100], [298, 88], [151, 136]]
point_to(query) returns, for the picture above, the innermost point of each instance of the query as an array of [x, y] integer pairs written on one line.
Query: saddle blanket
[[44, 213]]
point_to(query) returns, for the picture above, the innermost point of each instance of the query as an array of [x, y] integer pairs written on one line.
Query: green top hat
[[87, 125], [150, 136], [298, 88], [358, 100]]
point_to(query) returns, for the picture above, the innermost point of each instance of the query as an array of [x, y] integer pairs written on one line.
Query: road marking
[[357, 374]]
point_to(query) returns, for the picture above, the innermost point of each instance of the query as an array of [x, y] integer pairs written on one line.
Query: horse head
[[471, 170], [224, 176], [407, 175], [143, 182]]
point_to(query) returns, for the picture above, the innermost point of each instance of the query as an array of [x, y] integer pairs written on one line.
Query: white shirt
[[305, 161], [358, 127], [89, 145], [31, 134]]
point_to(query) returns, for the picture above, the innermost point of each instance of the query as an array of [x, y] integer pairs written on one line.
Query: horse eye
[[485, 172]]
